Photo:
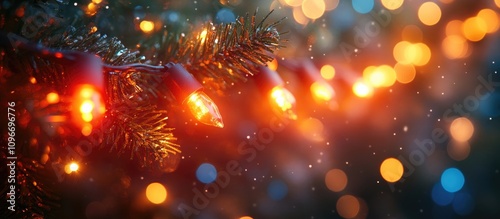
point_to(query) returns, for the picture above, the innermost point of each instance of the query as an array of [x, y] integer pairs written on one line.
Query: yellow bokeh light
[[392, 4], [246, 217], [293, 3], [273, 65], [322, 91], [405, 73], [53, 97], [96, 1], [391, 170], [474, 29], [336, 180], [461, 129], [399, 52], [71, 167], [491, 19], [156, 193], [424, 54], [87, 117], [327, 72], [33, 80], [381, 76], [299, 16], [455, 47], [361, 89], [429, 13], [497, 2], [331, 4], [348, 206], [313, 9], [87, 106], [147, 26]]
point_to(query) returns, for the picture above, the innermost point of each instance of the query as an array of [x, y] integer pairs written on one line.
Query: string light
[[281, 99], [321, 90], [204, 109], [71, 167]]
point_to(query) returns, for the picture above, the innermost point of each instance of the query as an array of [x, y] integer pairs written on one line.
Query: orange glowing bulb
[[204, 109], [283, 101], [147, 26], [88, 105], [361, 89], [322, 91], [71, 167]]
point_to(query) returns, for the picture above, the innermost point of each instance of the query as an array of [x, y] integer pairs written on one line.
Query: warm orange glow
[[455, 47], [361, 89], [88, 106], [391, 169], [87, 129], [147, 26], [423, 54], [273, 65], [313, 9], [203, 35], [461, 129], [474, 29], [71, 167], [381, 76], [348, 206], [96, 1], [412, 33], [336, 180], [283, 102], [312, 129], [404, 73], [429, 13], [322, 91], [156, 193], [33, 80], [327, 72], [458, 150], [491, 18], [392, 4], [204, 109], [497, 3], [246, 217], [52, 98], [399, 52]]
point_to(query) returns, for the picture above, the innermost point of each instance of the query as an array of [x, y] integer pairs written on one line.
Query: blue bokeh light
[[225, 16], [277, 190], [463, 204], [363, 6], [206, 173], [452, 180], [441, 196]]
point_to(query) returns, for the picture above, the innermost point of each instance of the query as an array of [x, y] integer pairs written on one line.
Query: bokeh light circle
[[206, 173], [474, 29], [392, 4], [313, 9], [463, 204], [461, 129], [363, 6], [429, 13], [405, 73], [327, 72], [348, 206], [336, 180], [156, 193], [440, 196], [452, 180], [391, 169]]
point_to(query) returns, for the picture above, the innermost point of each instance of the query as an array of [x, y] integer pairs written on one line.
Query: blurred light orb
[[52, 98], [412, 33], [322, 91], [313, 9], [388, 75], [474, 29], [463, 204], [391, 169], [71, 167], [405, 73], [491, 19], [461, 129], [147, 26], [399, 52], [246, 217], [336, 180], [156, 193], [327, 72], [440, 196], [363, 6], [454, 27], [273, 65], [312, 129], [362, 89], [455, 47], [452, 180], [497, 3], [277, 190], [429, 13], [348, 206], [424, 54], [206, 173], [392, 4], [225, 15]]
